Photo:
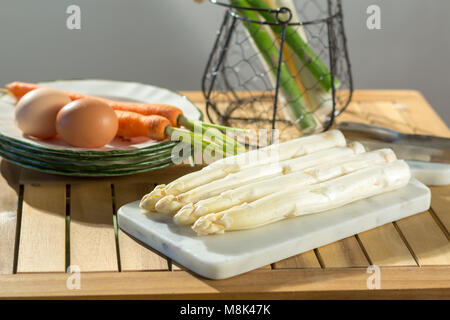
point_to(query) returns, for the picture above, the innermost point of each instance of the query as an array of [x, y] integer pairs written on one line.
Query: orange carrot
[[133, 124], [169, 112], [19, 89], [173, 114]]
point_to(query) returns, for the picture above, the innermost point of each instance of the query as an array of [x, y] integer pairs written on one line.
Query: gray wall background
[[166, 43]]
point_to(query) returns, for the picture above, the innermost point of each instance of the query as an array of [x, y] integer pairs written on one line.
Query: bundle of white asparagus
[[221, 168], [302, 176]]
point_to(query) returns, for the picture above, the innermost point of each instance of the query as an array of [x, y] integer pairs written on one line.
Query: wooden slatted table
[[48, 223]]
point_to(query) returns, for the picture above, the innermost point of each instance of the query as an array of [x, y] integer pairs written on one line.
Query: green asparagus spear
[[271, 54], [307, 55]]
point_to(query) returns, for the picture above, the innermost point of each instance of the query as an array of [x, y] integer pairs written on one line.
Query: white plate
[[117, 90]]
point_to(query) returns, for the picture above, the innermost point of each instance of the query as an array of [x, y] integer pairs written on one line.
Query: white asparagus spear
[[254, 191], [221, 168], [307, 200], [170, 204]]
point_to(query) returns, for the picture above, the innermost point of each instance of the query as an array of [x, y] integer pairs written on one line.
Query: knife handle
[[369, 131]]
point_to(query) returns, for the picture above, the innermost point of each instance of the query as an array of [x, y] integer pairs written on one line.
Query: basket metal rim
[[232, 8]]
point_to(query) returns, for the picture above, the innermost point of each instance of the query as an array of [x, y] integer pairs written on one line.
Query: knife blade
[[410, 152], [371, 132]]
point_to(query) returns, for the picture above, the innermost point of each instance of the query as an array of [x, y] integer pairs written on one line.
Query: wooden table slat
[[133, 255], [339, 283], [385, 247], [307, 259], [440, 203], [43, 229], [8, 219], [92, 239], [426, 239], [344, 253]]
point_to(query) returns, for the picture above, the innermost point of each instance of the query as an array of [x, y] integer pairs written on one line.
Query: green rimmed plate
[[121, 157], [124, 158], [81, 166], [28, 165], [88, 153], [117, 90]]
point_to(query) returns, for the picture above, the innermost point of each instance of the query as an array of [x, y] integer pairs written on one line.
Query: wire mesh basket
[[283, 66]]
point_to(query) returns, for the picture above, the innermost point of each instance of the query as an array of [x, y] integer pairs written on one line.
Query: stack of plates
[[120, 157]]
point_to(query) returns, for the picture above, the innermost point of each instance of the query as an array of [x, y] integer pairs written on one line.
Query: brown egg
[[36, 112], [87, 123]]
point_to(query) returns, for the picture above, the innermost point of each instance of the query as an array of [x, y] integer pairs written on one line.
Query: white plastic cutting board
[[226, 255]]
